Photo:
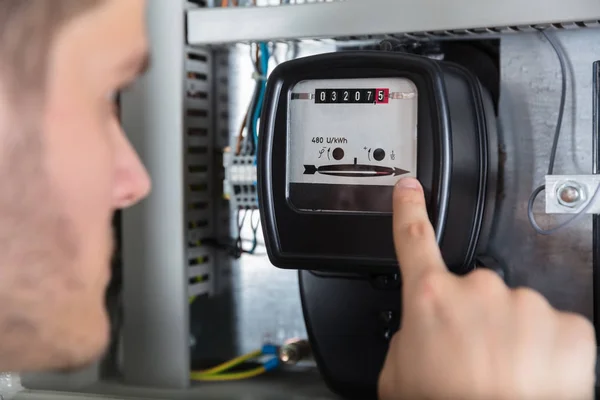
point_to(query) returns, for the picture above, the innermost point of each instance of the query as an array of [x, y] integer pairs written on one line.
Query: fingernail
[[408, 183]]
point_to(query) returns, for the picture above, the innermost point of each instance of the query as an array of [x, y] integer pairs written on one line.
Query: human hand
[[472, 337]]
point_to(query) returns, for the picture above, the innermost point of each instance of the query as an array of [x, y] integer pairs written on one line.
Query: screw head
[[570, 194], [288, 355]]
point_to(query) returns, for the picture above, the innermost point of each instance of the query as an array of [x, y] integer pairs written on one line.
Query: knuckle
[[409, 197], [529, 301], [417, 229], [579, 335], [486, 284], [430, 288], [486, 280], [581, 329]]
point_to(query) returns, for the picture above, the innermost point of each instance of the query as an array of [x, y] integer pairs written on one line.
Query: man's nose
[[132, 182]]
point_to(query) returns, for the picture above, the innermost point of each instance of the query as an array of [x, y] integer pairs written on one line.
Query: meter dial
[[358, 136]]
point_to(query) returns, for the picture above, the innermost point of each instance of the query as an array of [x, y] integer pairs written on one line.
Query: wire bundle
[[247, 144], [254, 224], [220, 372]]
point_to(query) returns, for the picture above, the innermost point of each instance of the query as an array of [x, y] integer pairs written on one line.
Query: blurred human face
[[63, 176]]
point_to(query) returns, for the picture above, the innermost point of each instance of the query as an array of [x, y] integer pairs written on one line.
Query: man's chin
[[89, 351]]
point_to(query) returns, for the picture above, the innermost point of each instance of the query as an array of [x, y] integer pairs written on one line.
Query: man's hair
[[27, 30]]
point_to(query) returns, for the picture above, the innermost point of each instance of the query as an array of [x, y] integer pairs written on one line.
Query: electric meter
[[338, 131]]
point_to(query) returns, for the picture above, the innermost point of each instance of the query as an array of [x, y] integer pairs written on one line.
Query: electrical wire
[[562, 58], [264, 70], [249, 145], [236, 376], [231, 364], [240, 137], [254, 57], [220, 372], [254, 225], [242, 144], [240, 226], [273, 49], [261, 64]]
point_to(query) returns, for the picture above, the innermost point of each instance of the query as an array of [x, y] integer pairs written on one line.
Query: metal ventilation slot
[[197, 279], [198, 132], [196, 150], [495, 30], [224, 128], [198, 205], [199, 95], [202, 223], [199, 260], [197, 76], [197, 57], [200, 187], [199, 136], [198, 169], [197, 113]]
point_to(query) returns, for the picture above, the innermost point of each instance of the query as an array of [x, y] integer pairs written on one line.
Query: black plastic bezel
[[323, 241]]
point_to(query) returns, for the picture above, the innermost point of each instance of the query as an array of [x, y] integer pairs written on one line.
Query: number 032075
[[352, 96]]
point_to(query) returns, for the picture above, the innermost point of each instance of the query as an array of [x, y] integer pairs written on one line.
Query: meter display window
[[349, 141]]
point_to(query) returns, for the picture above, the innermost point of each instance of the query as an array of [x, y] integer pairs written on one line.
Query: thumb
[[414, 238]]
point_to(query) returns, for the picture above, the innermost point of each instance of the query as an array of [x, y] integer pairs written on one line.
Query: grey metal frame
[[379, 17], [156, 326]]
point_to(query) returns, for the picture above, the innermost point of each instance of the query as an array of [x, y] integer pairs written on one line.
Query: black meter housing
[[456, 162]]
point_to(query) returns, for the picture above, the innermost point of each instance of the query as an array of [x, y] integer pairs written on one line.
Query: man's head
[[65, 167]]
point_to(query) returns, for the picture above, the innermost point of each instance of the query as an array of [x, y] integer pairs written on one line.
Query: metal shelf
[[378, 17], [297, 385]]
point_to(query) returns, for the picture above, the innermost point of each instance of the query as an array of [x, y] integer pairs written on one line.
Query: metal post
[[596, 217], [155, 283]]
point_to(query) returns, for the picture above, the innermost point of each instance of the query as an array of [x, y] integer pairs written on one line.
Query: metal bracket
[[570, 194]]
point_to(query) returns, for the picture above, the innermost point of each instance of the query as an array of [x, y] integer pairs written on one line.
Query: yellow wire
[[229, 364], [197, 376]]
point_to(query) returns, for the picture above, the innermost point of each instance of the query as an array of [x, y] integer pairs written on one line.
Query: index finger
[[416, 246]]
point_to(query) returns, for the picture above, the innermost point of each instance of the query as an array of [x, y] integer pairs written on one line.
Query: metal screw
[[570, 194], [288, 355], [294, 351]]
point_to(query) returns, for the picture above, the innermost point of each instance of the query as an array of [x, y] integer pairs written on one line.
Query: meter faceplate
[[349, 142]]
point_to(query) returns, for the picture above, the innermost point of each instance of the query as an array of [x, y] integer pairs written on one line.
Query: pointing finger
[[416, 246]]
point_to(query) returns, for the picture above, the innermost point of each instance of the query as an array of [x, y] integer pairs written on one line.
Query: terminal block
[[240, 181]]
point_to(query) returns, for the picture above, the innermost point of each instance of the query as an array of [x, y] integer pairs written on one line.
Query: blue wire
[[264, 49]]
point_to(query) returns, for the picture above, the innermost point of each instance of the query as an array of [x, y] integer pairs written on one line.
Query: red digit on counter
[[383, 96]]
